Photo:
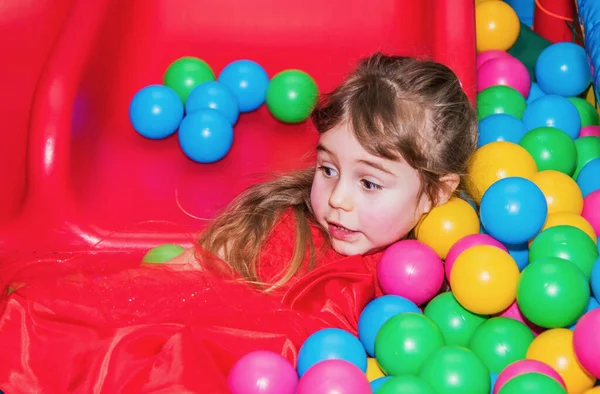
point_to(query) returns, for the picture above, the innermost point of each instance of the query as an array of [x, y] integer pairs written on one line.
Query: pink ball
[[411, 269], [334, 377], [587, 131], [514, 312], [586, 341], [508, 71], [465, 243], [526, 366], [263, 372], [591, 210], [484, 56]]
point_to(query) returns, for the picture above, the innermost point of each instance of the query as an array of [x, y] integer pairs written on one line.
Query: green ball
[[552, 292], [456, 323], [588, 149], [405, 341], [185, 73], [552, 149], [501, 341], [456, 370], [587, 112], [291, 96], [407, 384], [500, 99], [532, 383], [568, 243], [162, 253]]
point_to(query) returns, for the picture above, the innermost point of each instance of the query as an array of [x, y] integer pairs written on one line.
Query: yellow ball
[[445, 224], [595, 390], [561, 192], [495, 161], [484, 279], [477, 2], [497, 26], [373, 370], [555, 348], [571, 219]]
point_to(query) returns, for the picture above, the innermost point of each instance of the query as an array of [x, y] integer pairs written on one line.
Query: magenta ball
[[411, 269], [526, 366], [484, 56], [263, 372], [586, 341], [514, 312], [591, 210], [590, 131], [334, 377], [465, 243], [507, 71]]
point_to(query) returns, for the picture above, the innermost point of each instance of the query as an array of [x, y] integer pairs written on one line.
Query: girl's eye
[[370, 185], [327, 171]]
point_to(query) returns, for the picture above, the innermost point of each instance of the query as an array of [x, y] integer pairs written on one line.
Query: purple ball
[[334, 377], [263, 372]]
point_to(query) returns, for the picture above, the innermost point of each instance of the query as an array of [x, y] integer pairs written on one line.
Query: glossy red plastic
[[77, 177]]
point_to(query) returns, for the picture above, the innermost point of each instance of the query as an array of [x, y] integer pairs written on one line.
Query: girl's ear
[[448, 184]]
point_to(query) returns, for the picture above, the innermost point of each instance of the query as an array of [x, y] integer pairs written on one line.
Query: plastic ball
[[445, 224], [407, 384], [248, 82], [561, 192], [588, 149], [155, 111], [592, 304], [497, 26], [534, 93], [522, 367], [595, 280], [464, 244], [185, 73], [519, 252], [555, 348], [500, 127], [586, 342], [500, 99], [587, 131], [484, 56], [411, 269], [376, 313], [513, 210], [456, 323], [328, 344], [455, 369], [504, 70], [205, 136], [334, 377], [552, 292], [573, 220], [587, 112], [513, 312], [263, 372], [588, 179], [292, 95], [591, 210], [378, 383], [495, 161], [500, 341], [405, 341], [374, 372], [484, 279], [552, 149], [553, 111], [532, 383], [562, 68], [162, 253], [593, 390], [213, 95]]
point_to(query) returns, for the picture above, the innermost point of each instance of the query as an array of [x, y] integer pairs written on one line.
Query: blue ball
[[213, 95], [588, 178], [595, 280], [534, 92], [592, 304], [513, 210], [493, 379], [377, 312], [205, 136], [500, 127], [378, 383], [553, 111], [520, 253], [331, 343], [156, 111], [563, 69], [248, 81]]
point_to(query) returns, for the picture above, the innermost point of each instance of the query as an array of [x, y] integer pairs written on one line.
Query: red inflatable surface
[[77, 177]]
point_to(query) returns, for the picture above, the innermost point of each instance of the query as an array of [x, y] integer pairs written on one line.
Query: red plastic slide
[[77, 177]]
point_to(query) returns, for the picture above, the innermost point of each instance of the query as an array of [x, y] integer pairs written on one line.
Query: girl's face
[[365, 202]]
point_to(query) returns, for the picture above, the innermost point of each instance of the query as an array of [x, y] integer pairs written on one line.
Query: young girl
[[286, 258]]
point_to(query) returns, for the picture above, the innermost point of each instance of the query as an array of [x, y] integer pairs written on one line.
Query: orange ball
[[497, 26]]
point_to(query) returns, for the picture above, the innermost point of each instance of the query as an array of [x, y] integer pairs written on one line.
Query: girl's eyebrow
[[370, 163]]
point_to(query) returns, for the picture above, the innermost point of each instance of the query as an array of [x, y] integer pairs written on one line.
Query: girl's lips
[[340, 232]]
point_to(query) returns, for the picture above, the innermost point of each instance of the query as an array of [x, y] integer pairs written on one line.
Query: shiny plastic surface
[[76, 174]]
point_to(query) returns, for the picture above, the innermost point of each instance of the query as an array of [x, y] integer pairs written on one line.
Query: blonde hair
[[397, 107]]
